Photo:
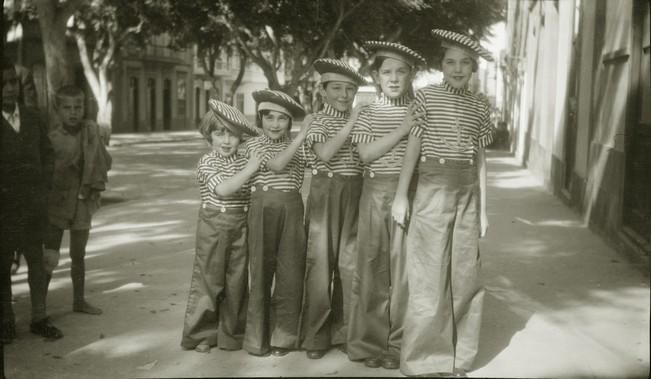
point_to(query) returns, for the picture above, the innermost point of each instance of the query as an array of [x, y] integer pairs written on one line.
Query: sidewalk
[[559, 302]]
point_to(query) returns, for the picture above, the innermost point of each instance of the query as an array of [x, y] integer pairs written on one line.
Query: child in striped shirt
[[379, 291], [276, 229], [441, 328], [331, 216], [215, 314]]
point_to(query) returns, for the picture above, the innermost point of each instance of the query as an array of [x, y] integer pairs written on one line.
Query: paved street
[[559, 301]]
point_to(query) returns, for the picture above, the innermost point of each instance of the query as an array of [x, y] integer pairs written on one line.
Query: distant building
[[578, 101], [154, 89]]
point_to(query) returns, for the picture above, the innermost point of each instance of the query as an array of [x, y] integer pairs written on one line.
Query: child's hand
[[400, 210], [255, 160], [415, 116], [354, 114], [307, 123]]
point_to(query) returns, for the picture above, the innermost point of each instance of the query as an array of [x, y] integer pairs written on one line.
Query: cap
[[336, 70], [454, 39], [396, 51], [272, 100], [232, 117]]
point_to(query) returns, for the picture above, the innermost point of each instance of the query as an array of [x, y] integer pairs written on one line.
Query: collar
[[270, 141], [230, 159], [15, 114], [331, 111], [399, 101], [456, 91]]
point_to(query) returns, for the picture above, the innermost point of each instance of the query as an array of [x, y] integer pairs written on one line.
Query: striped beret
[[336, 70], [268, 99], [232, 117], [463, 41], [396, 51]]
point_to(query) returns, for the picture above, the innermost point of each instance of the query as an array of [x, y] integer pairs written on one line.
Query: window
[[180, 93]]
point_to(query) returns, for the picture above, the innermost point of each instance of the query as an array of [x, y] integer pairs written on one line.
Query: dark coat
[[26, 164]]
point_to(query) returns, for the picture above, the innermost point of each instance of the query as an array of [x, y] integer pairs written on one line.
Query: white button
[[246, 209], [423, 159], [223, 209], [253, 189], [442, 161], [203, 206], [314, 171], [265, 188], [371, 175], [330, 175], [471, 161]]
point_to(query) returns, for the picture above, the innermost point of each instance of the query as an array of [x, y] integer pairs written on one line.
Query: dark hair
[[68, 90], [264, 112], [8, 64], [211, 122]]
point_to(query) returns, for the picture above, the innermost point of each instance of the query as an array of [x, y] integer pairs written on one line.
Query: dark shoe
[[7, 332], [390, 362], [279, 351], [373, 362], [315, 354], [261, 355], [45, 329]]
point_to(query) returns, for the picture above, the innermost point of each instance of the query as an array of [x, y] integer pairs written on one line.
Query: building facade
[[578, 106]]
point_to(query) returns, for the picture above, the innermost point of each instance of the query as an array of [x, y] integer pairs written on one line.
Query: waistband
[[260, 189], [234, 209], [446, 162], [379, 175], [331, 175]]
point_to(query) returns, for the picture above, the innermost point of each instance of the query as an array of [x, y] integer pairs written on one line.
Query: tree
[[53, 16], [100, 29]]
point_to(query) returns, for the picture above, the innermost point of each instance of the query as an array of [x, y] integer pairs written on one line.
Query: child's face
[[457, 67], [224, 141], [393, 77], [275, 124], [71, 109], [339, 95]]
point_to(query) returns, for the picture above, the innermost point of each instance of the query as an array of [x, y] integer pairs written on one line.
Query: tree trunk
[[240, 75], [52, 18]]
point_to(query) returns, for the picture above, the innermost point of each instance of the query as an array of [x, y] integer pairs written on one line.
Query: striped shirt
[[325, 125], [291, 177], [212, 170], [381, 118], [458, 123]]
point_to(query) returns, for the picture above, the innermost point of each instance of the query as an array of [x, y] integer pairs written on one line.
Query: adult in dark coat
[[26, 160]]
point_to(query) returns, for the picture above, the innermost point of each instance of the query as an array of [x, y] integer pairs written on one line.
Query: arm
[[368, 152], [47, 153], [280, 161], [483, 216], [235, 182], [400, 207], [326, 150]]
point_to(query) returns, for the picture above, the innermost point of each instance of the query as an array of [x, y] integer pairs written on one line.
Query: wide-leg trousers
[[331, 218], [217, 302], [277, 267], [444, 309], [379, 285]]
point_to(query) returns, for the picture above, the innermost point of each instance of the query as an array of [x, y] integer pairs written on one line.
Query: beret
[[395, 50], [232, 117], [278, 101], [336, 70], [463, 41]]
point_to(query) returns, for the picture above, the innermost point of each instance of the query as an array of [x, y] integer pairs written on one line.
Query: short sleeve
[[363, 130], [317, 134], [208, 173], [486, 129], [419, 129]]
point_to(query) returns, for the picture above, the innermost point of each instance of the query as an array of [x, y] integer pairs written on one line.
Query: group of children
[[384, 262]]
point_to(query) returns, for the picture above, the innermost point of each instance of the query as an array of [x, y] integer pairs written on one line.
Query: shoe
[[202, 347], [85, 307], [45, 329], [7, 332], [373, 362], [343, 348], [315, 354], [390, 362], [460, 373], [261, 355], [279, 351]]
